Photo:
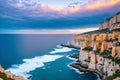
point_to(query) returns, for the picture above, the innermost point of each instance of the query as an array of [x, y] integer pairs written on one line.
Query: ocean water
[[40, 56]]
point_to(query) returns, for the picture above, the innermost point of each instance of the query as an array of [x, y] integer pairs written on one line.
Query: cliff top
[[111, 17], [103, 30], [95, 31]]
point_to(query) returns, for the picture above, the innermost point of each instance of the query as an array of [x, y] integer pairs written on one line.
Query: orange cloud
[[104, 4], [88, 6], [73, 10], [91, 6]]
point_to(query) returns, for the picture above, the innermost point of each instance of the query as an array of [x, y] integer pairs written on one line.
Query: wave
[[71, 58], [59, 46], [61, 49], [76, 70], [31, 64], [98, 77]]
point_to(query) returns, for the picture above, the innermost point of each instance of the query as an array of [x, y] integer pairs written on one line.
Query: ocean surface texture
[[40, 56]]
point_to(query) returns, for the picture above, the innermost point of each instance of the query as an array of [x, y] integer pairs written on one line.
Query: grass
[[4, 77], [113, 76], [116, 30], [111, 40], [88, 48]]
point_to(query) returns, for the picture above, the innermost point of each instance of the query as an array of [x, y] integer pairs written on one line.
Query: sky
[[54, 16]]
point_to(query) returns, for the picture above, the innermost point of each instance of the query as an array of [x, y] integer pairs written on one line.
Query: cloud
[[22, 14], [31, 8], [93, 5], [72, 7]]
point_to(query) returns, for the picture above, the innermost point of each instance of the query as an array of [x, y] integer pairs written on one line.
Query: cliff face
[[100, 49], [101, 52], [111, 23], [8, 75]]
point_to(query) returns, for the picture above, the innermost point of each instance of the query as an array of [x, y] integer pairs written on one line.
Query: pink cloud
[[91, 6]]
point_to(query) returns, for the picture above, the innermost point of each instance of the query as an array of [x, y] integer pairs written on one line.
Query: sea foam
[[31, 64], [76, 70], [61, 49]]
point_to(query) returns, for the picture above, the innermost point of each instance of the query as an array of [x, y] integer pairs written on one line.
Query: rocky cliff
[[8, 75], [100, 49], [111, 23]]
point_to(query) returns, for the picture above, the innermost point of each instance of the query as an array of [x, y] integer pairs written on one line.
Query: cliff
[[100, 49], [111, 23], [8, 75]]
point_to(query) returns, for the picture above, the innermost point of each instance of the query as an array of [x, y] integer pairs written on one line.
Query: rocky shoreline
[[70, 46], [99, 50], [78, 65], [8, 75], [83, 68]]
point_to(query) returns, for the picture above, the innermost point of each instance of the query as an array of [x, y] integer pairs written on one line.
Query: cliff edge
[[100, 49]]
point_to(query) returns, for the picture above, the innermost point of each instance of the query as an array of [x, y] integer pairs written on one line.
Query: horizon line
[[49, 31]]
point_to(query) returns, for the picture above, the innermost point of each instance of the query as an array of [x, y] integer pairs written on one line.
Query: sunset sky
[[54, 16]]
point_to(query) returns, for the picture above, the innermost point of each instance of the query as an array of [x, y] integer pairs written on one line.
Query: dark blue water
[[39, 56]]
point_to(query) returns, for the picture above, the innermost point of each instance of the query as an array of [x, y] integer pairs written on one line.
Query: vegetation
[[115, 24], [111, 40], [97, 51], [4, 77], [113, 76], [88, 48], [118, 29], [118, 44], [105, 53], [116, 60], [117, 13], [98, 31]]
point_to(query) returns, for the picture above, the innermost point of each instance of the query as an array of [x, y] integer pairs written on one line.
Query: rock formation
[[9, 74], [111, 23], [101, 51]]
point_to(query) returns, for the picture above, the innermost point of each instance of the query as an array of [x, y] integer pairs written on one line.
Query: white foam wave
[[63, 49], [31, 64], [76, 70], [74, 59], [98, 77], [59, 46]]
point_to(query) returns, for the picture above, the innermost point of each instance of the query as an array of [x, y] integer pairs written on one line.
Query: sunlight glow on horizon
[[64, 31]]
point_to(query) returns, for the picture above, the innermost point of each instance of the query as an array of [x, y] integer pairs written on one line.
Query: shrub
[[97, 51], [4, 77], [88, 48], [113, 76]]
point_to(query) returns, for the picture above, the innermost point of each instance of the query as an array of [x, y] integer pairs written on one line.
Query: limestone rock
[[84, 55], [93, 37], [105, 36], [1, 79], [9, 74], [111, 23], [115, 35], [114, 51], [96, 46], [19, 78], [1, 69], [85, 44], [104, 46], [87, 38]]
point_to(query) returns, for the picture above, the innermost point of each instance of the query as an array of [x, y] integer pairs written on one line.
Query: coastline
[[69, 46], [77, 65], [100, 50]]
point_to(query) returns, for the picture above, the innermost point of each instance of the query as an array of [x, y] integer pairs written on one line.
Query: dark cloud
[[12, 17]]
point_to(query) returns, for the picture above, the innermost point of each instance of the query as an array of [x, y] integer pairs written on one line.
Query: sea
[[40, 56]]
